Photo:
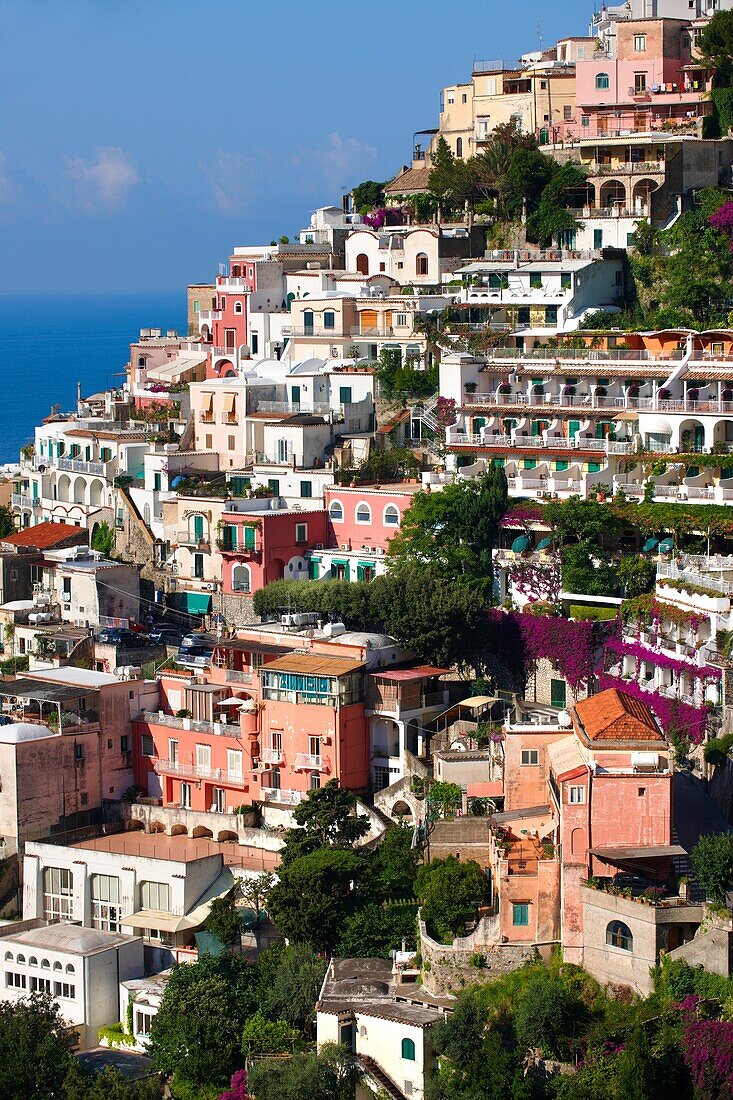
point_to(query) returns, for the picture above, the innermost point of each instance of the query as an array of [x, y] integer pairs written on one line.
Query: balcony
[[272, 756], [288, 408], [235, 677], [170, 721], [305, 761], [374, 330], [625, 168], [197, 771], [20, 500], [190, 539], [79, 466], [281, 796], [434, 699]]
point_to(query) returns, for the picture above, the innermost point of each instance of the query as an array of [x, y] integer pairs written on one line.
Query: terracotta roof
[[613, 715], [118, 437], [314, 665], [407, 675], [414, 179], [43, 536]]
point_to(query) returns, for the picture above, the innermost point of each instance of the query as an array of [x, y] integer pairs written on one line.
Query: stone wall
[[133, 540], [539, 685], [446, 969], [466, 837], [237, 608]]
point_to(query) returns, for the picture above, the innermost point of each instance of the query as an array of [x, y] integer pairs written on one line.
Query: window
[[345, 395], [639, 83], [408, 1050], [219, 800], [78, 751], [231, 443], [567, 112], [550, 315], [523, 315], [576, 796], [203, 757], [530, 756], [237, 307], [301, 533], [391, 516], [14, 981], [619, 935], [597, 238], [157, 481], [421, 264], [155, 895], [186, 796], [602, 83], [147, 745], [459, 147], [363, 513], [65, 990], [40, 985], [234, 763], [336, 511], [58, 899], [241, 581], [520, 914], [640, 43], [306, 488], [308, 322], [143, 1022], [329, 319], [400, 320], [535, 281], [314, 782], [198, 566], [105, 894], [566, 280], [254, 343]]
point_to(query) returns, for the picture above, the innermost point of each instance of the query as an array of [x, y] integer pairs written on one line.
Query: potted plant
[[664, 393], [693, 393], [505, 388], [633, 390], [471, 387]]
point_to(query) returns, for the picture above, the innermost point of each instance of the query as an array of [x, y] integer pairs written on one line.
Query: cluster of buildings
[[135, 778]]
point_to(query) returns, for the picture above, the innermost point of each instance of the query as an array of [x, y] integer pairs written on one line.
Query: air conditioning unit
[[318, 546], [211, 586], [344, 546], [326, 740]]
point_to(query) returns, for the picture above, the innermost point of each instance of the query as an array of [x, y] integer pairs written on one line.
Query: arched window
[[32, 961], [391, 516], [408, 1050], [141, 361], [57, 965], [618, 934], [363, 513], [362, 263], [237, 307], [459, 147], [8, 956], [336, 511], [240, 578], [602, 82], [70, 969], [421, 264], [45, 964]]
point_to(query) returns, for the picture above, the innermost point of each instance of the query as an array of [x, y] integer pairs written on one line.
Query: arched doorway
[[362, 263], [613, 194]]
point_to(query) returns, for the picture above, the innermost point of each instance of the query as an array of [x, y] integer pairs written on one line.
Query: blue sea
[[48, 343]]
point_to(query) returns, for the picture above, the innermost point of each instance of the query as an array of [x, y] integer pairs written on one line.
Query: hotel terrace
[[568, 419]]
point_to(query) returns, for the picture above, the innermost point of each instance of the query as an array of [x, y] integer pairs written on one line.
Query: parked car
[[195, 656], [117, 635], [196, 638]]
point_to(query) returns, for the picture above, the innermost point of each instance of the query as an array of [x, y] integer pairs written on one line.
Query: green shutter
[[198, 527], [558, 693], [529, 463], [249, 538], [520, 913]]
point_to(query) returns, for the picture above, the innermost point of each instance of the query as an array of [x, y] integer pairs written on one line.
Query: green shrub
[[115, 1034]]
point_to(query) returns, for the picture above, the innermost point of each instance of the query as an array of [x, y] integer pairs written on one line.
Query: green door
[[198, 528], [295, 397], [558, 693], [573, 427]]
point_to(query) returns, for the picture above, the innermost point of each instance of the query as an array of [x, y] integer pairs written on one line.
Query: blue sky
[[141, 139]]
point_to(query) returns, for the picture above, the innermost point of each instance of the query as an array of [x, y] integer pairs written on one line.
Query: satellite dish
[[564, 719]]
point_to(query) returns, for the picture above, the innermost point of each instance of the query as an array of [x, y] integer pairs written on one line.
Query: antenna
[[539, 33]]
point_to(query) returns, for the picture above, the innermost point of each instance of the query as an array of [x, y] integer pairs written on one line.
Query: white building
[[81, 968]]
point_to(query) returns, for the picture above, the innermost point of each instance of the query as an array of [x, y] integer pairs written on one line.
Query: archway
[[613, 193], [362, 263], [202, 832], [156, 827], [692, 436], [241, 578], [642, 194], [179, 830], [226, 836], [96, 493], [401, 809], [80, 491], [63, 487]]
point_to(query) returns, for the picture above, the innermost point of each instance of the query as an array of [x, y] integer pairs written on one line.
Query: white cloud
[[102, 183], [343, 159], [231, 176]]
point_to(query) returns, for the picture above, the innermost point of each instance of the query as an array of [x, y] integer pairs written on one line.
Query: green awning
[[649, 545], [197, 603], [666, 546], [520, 544], [543, 544]]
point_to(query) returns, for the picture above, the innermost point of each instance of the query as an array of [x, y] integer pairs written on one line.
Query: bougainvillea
[[445, 412], [238, 1087], [537, 580], [707, 1047], [571, 647], [390, 215], [642, 652], [722, 219], [521, 514], [672, 714]]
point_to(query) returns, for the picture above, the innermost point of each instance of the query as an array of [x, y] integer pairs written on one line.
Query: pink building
[[365, 516], [651, 81], [261, 545]]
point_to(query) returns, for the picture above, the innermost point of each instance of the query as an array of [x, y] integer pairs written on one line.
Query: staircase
[[424, 413], [370, 1067], [682, 865]]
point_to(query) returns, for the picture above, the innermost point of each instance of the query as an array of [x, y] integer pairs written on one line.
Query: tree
[[454, 532], [545, 1014], [224, 920], [263, 1036], [109, 1084], [331, 1074], [315, 895], [552, 215], [197, 1031], [637, 575], [376, 930], [584, 571], [450, 892], [35, 1049], [367, 195], [290, 982], [255, 890], [588, 520], [327, 818], [103, 538], [450, 178], [715, 47], [712, 862], [394, 863], [7, 526]]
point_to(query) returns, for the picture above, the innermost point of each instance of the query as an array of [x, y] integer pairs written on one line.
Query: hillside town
[[383, 621]]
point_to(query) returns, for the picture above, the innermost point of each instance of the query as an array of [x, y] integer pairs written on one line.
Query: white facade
[[79, 967], [411, 256]]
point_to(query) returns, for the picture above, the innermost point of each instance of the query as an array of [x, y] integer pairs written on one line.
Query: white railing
[[235, 677], [669, 570], [272, 756], [20, 500], [307, 761], [282, 796], [78, 466], [320, 408], [197, 771]]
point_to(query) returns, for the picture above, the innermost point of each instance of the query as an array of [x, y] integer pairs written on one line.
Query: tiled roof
[[315, 665], [613, 715], [414, 179], [43, 536]]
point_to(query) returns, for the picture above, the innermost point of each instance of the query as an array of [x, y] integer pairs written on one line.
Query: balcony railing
[[20, 500], [282, 796], [625, 168], [79, 466], [155, 718], [198, 771], [305, 761], [189, 538], [233, 676], [272, 756], [319, 408]]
